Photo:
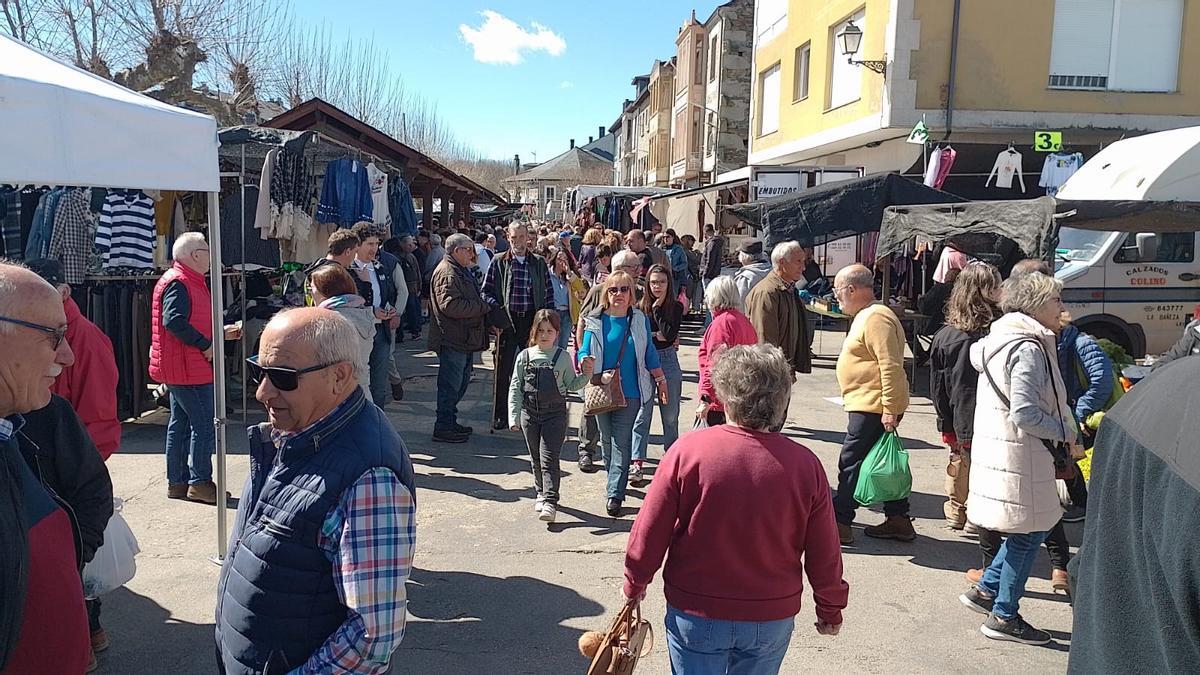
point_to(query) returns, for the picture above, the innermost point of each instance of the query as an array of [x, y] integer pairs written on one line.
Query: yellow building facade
[[1093, 69]]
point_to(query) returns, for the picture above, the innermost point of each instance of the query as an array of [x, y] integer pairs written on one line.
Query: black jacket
[[1188, 345], [1137, 604], [62, 456], [710, 262], [952, 381]]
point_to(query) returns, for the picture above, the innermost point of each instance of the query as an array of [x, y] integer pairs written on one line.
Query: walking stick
[[495, 382]]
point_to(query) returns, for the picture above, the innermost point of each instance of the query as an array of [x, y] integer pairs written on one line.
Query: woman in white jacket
[[1022, 421]]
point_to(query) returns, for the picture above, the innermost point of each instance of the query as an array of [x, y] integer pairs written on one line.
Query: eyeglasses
[[616, 290], [841, 289], [284, 379], [59, 334]]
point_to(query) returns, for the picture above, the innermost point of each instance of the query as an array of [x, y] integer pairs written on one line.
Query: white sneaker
[[548, 512], [537, 504]]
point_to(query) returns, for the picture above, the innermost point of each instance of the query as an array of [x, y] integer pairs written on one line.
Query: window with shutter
[[845, 78], [768, 97], [1123, 45]]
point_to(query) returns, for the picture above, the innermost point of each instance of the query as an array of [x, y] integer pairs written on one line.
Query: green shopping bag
[[884, 475]]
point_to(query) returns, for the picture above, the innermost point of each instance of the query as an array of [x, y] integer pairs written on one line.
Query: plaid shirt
[[521, 297], [9, 426], [10, 225], [73, 234], [369, 537]]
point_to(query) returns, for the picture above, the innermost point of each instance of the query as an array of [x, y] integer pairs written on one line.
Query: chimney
[[591, 139], [600, 133], [572, 143], [516, 164]]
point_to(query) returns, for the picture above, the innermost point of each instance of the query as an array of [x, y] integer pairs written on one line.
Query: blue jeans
[[641, 429], [380, 363], [412, 314], [190, 434], [669, 358], [1005, 578], [564, 335], [700, 646], [616, 441], [454, 374]]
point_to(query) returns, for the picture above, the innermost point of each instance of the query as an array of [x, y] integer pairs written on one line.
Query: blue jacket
[[276, 600], [679, 264], [345, 194], [1080, 349]]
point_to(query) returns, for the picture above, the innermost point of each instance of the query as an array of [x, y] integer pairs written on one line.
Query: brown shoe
[[845, 534], [974, 575], [99, 640], [895, 527], [204, 492], [1061, 581], [92, 665], [177, 491]]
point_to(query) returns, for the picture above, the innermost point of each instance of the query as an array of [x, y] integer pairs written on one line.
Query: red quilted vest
[[171, 361]]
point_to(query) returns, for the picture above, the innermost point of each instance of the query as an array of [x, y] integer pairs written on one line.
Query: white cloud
[[566, 84], [501, 40]]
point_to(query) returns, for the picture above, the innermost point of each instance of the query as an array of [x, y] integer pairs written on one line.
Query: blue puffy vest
[[277, 602]]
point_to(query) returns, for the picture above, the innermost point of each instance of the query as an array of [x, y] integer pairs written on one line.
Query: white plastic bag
[[113, 566]]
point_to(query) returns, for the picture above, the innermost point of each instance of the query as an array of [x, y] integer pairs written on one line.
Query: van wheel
[[1103, 331]]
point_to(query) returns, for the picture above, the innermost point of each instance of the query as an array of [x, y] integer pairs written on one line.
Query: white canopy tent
[[65, 126]]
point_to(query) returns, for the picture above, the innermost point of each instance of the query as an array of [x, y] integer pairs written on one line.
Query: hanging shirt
[[946, 159], [11, 246], [1057, 168], [1007, 164], [931, 170], [378, 180], [126, 234], [71, 240]]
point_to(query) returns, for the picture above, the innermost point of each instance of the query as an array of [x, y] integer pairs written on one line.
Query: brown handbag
[[623, 644], [603, 393]]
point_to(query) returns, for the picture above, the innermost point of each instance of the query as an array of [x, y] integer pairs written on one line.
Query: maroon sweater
[[739, 514]]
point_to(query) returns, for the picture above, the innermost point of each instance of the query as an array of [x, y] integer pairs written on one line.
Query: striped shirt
[[126, 233], [369, 537]]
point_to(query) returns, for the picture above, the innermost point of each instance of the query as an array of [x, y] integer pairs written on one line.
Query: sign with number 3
[[1047, 141]]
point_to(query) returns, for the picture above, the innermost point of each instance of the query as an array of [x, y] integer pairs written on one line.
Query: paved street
[[496, 591]]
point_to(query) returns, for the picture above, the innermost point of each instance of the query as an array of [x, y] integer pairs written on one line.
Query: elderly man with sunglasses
[[324, 536], [43, 623], [181, 357]]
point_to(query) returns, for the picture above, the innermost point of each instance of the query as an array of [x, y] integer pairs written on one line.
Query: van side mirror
[[1147, 246]]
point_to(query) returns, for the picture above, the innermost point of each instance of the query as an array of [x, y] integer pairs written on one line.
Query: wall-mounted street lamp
[[851, 40]]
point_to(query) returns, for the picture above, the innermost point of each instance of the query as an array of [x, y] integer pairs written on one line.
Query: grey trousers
[[544, 436], [589, 434]]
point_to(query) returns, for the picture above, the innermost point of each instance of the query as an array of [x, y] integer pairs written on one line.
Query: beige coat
[[778, 316]]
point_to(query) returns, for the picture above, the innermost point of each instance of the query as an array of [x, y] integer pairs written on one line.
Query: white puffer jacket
[[1012, 486]]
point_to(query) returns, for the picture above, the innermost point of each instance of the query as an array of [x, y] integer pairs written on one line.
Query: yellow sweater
[[870, 368]]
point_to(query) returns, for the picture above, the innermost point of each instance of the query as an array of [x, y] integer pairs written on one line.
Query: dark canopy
[[1030, 224], [836, 210]]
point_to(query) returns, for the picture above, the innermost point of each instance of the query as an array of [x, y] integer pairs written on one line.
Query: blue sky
[[571, 79]]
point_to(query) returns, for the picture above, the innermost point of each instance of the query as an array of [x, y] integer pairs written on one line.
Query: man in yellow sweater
[[870, 371]]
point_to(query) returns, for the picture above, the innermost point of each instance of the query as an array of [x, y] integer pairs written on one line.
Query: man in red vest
[[181, 357]]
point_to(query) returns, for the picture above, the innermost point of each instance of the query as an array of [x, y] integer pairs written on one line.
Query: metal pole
[[218, 364], [242, 280]]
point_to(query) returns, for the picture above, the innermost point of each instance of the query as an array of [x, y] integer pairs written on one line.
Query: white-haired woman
[[1024, 429], [729, 328], [741, 513]]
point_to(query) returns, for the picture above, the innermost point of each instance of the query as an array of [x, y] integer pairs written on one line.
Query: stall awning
[[1031, 224], [70, 127], [836, 210]]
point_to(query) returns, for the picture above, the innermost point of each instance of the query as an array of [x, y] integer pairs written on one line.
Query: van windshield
[[1079, 245]]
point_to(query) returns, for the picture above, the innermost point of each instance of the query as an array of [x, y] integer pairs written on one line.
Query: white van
[[1138, 289]]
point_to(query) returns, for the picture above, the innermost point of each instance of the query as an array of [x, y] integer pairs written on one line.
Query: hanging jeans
[[699, 645], [616, 442], [1005, 578], [190, 434]]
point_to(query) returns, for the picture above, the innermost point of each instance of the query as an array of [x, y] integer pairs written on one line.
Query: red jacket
[[740, 516], [172, 361], [729, 327], [90, 384]]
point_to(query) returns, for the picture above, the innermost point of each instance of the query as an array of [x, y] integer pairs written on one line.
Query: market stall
[[68, 127]]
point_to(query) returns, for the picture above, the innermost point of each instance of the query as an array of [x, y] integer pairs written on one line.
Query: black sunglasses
[[284, 379], [59, 334]]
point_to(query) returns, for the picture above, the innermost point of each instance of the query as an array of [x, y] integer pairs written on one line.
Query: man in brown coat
[[457, 329], [776, 311]]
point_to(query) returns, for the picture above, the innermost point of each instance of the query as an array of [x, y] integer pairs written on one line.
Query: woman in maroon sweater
[[739, 512]]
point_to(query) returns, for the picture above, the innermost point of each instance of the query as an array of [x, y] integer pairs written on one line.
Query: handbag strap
[[1050, 445], [624, 340]]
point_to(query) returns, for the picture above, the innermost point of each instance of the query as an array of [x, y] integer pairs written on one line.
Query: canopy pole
[[218, 364], [242, 281]]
